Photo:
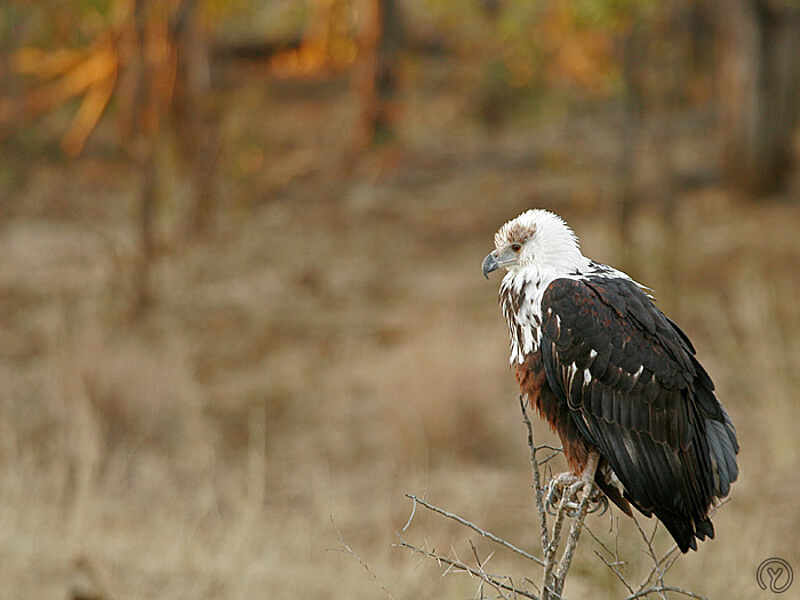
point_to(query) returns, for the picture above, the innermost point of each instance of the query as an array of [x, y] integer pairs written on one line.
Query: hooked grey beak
[[499, 258], [490, 263]]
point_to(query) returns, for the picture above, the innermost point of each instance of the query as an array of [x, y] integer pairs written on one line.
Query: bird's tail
[[683, 531]]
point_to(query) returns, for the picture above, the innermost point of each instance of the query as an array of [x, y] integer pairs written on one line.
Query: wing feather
[[635, 390]]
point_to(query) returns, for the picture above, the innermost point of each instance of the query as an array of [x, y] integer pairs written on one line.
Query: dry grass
[[332, 349]]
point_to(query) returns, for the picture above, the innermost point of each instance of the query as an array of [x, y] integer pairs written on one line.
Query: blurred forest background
[[240, 292]]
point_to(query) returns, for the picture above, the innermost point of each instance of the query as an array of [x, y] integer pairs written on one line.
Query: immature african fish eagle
[[615, 378]]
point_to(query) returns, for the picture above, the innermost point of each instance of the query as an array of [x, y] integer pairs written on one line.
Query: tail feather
[[680, 529], [684, 532]]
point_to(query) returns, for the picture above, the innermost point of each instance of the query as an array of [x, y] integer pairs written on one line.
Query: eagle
[[615, 378]]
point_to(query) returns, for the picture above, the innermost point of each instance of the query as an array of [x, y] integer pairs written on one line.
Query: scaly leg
[[587, 476]]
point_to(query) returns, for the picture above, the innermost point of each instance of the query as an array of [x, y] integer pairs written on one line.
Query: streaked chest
[[521, 303]]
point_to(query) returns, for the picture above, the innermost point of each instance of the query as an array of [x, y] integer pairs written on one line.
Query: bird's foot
[[570, 485]]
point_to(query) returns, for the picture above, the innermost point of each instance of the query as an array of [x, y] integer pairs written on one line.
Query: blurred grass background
[[240, 295]]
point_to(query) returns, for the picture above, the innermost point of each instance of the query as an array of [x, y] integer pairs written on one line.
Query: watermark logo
[[774, 574]]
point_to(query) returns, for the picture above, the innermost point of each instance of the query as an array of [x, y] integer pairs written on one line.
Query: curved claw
[[600, 507], [555, 490]]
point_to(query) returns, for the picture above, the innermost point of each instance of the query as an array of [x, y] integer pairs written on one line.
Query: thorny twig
[[457, 564], [481, 563]]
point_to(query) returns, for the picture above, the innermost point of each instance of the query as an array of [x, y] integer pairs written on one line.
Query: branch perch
[[568, 520]]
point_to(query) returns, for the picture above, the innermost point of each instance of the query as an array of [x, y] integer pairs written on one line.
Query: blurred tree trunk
[[759, 43], [631, 49], [143, 153], [491, 8], [197, 133], [11, 166], [376, 78]]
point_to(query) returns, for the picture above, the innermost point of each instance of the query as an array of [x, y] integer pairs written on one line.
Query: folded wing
[[636, 392]]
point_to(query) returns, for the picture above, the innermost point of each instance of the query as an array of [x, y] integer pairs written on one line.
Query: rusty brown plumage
[[533, 382]]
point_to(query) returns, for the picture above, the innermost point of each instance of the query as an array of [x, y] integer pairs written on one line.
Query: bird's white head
[[537, 240]]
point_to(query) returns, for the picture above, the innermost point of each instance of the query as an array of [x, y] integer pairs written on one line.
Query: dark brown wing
[[637, 393]]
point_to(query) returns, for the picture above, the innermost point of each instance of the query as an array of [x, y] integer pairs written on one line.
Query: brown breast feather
[[533, 383]]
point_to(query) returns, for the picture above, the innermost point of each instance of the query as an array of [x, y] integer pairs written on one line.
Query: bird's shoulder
[[605, 298], [615, 317]]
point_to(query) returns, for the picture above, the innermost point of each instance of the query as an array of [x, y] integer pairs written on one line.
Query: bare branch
[[475, 528], [667, 560], [547, 459], [574, 534], [411, 516], [352, 553], [587, 484], [480, 566], [498, 585], [653, 535], [615, 553], [537, 478], [666, 588], [555, 569], [533, 583], [670, 556], [652, 553], [551, 548], [613, 566]]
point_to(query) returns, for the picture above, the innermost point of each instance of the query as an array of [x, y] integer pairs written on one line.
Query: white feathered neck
[[550, 250]]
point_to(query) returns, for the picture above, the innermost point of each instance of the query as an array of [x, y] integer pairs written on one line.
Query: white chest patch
[[521, 302]]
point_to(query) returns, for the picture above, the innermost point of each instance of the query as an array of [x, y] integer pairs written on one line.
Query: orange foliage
[[329, 43], [579, 55], [93, 73]]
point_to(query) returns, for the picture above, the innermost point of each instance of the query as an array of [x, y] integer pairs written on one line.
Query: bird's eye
[[516, 247]]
